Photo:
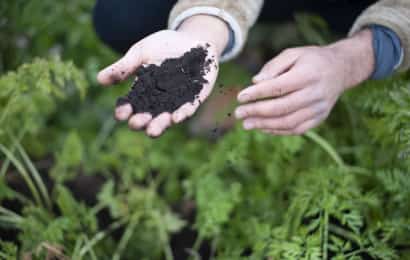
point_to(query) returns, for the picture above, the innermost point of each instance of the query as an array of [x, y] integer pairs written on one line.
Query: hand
[[297, 90], [158, 47]]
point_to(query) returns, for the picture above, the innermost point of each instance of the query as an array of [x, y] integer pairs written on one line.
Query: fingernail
[[243, 97], [239, 113], [121, 115], [154, 132], [178, 117], [248, 125], [259, 77]]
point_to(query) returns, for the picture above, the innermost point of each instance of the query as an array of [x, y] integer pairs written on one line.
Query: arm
[[305, 83], [193, 23], [240, 15], [393, 14], [200, 30], [298, 89]]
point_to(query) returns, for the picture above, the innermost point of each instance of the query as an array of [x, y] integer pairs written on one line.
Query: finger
[[287, 122], [278, 107], [158, 125], [278, 132], [123, 112], [185, 111], [278, 65], [123, 68], [139, 121], [282, 85], [300, 130]]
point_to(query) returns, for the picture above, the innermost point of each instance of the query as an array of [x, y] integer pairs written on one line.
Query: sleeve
[[394, 15], [240, 15], [388, 52]]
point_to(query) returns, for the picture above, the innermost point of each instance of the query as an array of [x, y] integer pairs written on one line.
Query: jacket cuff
[[394, 19], [238, 37]]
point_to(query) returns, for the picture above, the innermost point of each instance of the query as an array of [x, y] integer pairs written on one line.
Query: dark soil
[[167, 87]]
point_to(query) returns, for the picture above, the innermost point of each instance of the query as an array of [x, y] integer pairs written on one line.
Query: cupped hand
[[297, 90], [154, 49]]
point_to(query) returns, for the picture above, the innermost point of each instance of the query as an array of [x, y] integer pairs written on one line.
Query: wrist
[[207, 28], [355, 56]]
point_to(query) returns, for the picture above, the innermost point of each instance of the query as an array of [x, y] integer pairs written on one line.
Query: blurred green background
[[74, 184]]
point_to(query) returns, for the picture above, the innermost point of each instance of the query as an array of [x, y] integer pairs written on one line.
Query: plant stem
[[9, 212], [327, 147], [76, 252], [36, 176], [168, 252], [23, 173], [92, 253], [100, 236], [196, 246], [362, 250], [345, 234], [5, 110], [164, 237], [105, 131], [6, 163], [326, 234], [126, 237], [97, 208], [10, 220]]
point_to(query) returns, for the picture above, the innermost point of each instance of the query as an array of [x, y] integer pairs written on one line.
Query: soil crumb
[[167, 87]]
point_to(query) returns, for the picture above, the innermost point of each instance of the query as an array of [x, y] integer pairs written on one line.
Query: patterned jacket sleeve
[[240, 15], [393, 14]]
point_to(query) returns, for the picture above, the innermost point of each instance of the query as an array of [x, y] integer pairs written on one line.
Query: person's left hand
[[297, 90]]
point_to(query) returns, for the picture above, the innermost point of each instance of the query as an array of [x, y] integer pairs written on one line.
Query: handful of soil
[[167, 87]]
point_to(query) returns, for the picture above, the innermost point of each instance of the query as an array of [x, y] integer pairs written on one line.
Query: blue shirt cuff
[[388, 51], [231, 42]]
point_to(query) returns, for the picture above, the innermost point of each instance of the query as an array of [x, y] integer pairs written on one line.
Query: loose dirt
[[167, 87]]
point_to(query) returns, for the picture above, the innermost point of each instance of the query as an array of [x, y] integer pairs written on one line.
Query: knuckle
[[283, 123], [284, 110], [275, 91], [314, 111], [289, 51]]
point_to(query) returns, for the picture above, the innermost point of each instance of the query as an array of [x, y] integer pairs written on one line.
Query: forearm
[[239, 15], [392, 14], [209, 29], [354, 57]]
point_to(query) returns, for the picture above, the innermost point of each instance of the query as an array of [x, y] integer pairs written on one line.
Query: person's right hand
[[156, 48]]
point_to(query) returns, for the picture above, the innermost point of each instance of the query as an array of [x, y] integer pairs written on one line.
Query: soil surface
[[167, 87]]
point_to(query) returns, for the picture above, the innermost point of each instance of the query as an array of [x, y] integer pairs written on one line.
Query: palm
[[154, 50]]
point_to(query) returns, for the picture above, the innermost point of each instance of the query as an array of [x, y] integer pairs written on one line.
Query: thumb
[[123, 68], [280, 64]]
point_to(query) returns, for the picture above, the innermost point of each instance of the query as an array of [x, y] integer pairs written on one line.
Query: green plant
[[74, 184]]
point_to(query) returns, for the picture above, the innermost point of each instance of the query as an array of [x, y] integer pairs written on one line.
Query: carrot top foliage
[[74, 184]]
